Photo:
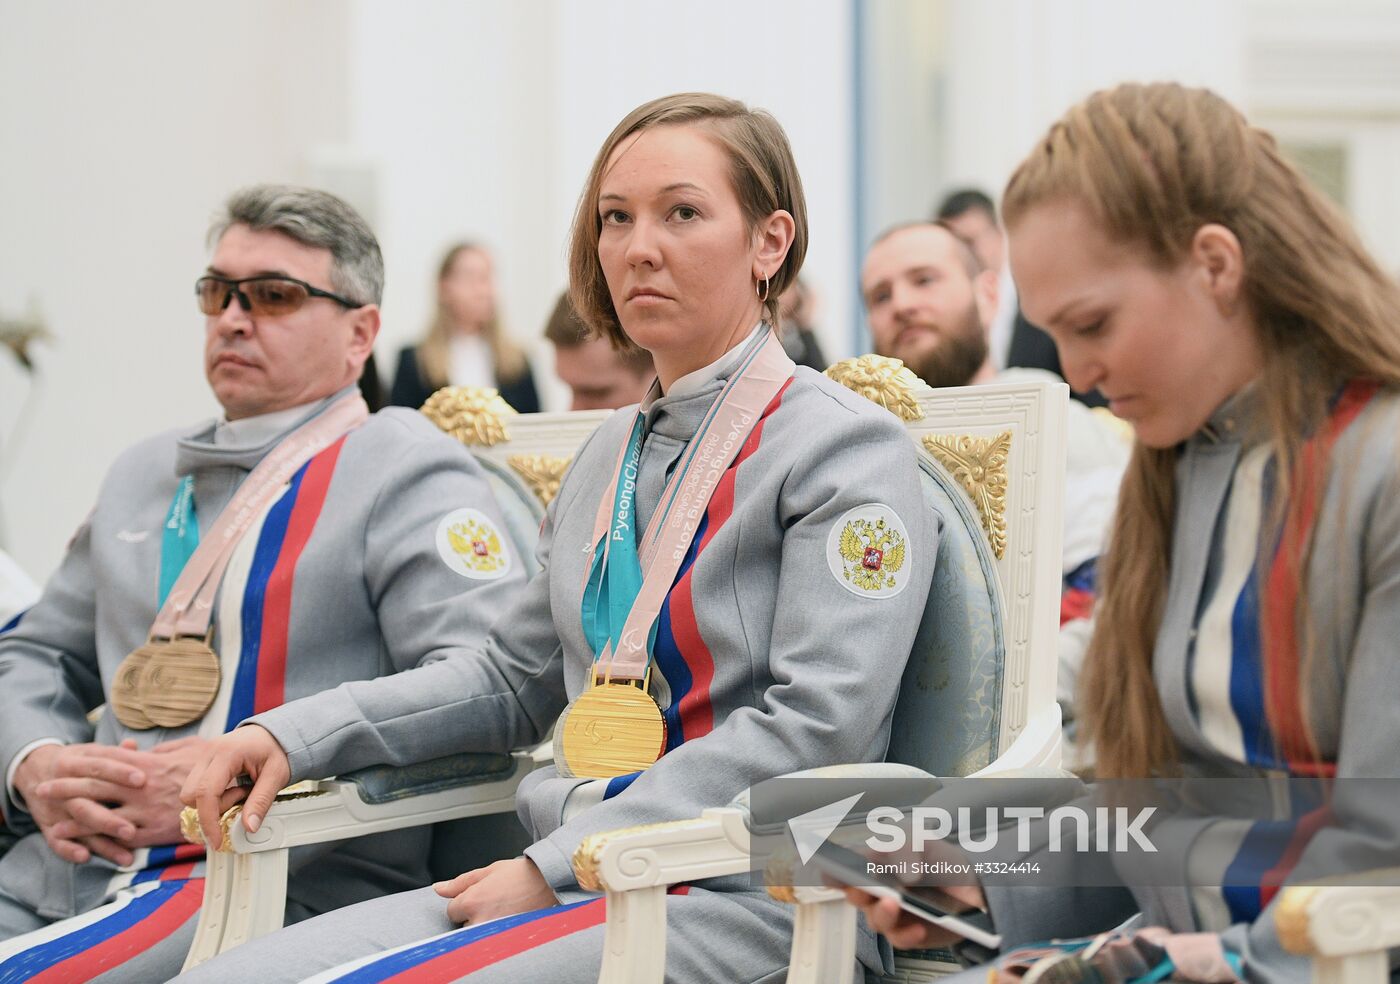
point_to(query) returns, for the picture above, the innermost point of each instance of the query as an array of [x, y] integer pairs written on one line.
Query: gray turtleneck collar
[[219, 443], [678, 413]]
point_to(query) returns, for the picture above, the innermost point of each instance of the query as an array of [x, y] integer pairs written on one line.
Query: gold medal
[[612, 729], [180, 682], [126, 700]]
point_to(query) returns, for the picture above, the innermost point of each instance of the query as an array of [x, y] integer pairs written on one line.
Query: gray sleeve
[[1024, 914], [470, 696], [836, 657], [48, 664], [1364, 828], [426, 609], [1069, 893]]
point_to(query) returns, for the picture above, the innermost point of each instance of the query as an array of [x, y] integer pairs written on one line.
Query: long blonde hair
[[507, 358], [1152, 164]]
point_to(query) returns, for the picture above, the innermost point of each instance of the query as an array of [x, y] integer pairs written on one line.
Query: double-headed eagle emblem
[[478, 545], [872, 553]]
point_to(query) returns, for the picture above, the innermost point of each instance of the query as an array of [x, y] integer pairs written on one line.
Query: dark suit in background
[[410, 389]]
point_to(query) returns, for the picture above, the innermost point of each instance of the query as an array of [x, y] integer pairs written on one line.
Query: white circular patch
[[470, 544], [869, 552]]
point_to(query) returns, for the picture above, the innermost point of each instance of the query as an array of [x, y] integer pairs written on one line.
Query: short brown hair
[[566, 330], [761, 169]]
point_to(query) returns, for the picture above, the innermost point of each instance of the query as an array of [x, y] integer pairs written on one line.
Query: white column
[[123, 127]]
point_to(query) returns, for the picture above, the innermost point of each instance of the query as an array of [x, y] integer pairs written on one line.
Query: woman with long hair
[[1251, 588], [465, 344], [739, 637]]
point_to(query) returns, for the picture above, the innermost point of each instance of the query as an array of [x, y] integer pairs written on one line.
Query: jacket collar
[[198, 448]]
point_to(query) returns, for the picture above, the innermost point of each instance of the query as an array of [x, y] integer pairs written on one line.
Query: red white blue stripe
[[264, 603], [1246, 674], [682, 656], [92, 944], [1079, 591], [464, 951]]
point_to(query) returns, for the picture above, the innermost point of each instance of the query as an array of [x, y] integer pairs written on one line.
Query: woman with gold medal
[[700, 622]]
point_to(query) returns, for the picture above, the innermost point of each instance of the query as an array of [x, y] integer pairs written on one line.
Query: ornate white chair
[[524, 456], [1345, 929], [978, 693]]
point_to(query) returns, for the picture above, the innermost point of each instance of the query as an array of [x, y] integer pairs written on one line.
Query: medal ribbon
[[178, 539], [624, 592], [189, 604], [615, 576]]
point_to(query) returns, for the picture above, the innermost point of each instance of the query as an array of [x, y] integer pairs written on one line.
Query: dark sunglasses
[[267, 295]]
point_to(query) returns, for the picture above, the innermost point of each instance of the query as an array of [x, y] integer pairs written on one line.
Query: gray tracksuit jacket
[[1353, 585], [349, 575]]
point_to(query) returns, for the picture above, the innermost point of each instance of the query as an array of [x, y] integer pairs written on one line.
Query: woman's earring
[[762, 298]]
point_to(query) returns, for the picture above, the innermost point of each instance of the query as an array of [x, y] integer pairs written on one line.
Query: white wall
[[1016, 65], [122, 128], [1331, 73], [455, 120]]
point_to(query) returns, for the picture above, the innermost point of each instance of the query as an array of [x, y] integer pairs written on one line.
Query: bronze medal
[[180, 682], [612, 729], [127, 689]]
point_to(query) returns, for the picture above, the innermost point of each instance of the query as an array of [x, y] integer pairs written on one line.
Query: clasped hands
[[504, 888], [106, 800]]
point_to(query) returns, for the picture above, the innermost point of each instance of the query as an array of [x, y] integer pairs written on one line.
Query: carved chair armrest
[[1341, 920], [374, 800], [654, 855]]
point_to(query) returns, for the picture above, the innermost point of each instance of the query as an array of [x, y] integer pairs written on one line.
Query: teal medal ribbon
[[615, 576], [179, 538]]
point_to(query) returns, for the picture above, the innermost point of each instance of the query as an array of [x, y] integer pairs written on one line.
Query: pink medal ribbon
[[189, 607], [762, 371]]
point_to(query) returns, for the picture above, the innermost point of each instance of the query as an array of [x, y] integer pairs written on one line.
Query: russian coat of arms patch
[[868, 551], [469, 543]]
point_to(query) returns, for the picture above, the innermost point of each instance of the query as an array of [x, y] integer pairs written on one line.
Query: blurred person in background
[[17, 591], [600, 376], [798, 338], [465, 345], [1012, 340], [929, 300]]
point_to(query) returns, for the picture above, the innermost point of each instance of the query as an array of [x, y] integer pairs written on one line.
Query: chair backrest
[[992, 463]]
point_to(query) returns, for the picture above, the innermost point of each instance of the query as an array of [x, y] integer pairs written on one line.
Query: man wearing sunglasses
[[290, 546]]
